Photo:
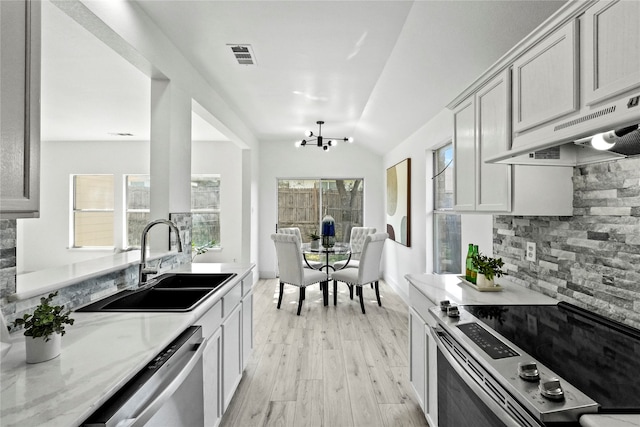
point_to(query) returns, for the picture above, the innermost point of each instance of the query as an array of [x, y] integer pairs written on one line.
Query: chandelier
[[320, 141]]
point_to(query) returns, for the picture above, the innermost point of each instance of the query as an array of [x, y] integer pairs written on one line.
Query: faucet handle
[[149, 270]]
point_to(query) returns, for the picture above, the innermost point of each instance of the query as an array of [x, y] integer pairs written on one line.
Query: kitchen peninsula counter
[[100, 353]]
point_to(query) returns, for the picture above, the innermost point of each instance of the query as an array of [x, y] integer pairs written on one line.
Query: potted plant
[[487, 269], [44, 329], [203, 249], [315, 240]]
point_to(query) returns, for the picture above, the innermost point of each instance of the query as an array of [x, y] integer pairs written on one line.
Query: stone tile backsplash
[[86, 291], [590, 259]]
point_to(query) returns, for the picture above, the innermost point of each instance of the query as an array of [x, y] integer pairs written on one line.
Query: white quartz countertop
[[610, 420], [100, 353], [448, 287]]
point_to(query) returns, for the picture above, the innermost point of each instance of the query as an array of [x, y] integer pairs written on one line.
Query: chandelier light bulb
[[320, 141], [350, 140]]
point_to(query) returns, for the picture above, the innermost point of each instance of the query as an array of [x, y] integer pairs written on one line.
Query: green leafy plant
[[46, 319], [199, 250], [490, 267], [314, 236]]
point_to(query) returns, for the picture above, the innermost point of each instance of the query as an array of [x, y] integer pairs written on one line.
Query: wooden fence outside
[[299, 207]]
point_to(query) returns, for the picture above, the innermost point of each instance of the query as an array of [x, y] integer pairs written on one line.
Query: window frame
[[443, 212], [73, 198]]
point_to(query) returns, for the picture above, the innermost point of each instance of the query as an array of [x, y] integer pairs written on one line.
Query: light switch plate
[[530, 254]]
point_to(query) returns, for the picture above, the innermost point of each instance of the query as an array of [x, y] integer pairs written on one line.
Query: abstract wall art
[[399, 202]]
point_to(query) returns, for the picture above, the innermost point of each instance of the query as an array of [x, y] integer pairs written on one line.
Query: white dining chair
[[317, 265], [356, 241], [368, 270], [290, 266]]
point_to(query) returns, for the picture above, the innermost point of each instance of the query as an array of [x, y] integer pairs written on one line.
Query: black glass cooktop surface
[[599, 356]]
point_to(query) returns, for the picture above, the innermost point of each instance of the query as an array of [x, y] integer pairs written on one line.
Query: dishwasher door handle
[[154, 406]]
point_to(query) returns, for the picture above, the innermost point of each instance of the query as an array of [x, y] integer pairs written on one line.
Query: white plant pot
[[315, 244], [483, 282], [39, 350]]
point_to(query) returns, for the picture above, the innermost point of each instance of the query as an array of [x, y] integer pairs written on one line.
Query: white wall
[[283, 160], [225, 159], [400, 260], [43, 242]]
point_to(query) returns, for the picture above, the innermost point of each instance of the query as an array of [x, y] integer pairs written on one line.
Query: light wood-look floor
[[330, 366]]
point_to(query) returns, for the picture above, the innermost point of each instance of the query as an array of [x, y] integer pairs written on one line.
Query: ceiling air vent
[[243, 54]]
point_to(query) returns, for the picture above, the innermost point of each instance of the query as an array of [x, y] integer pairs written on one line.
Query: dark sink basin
[[150, 300], [186, 280], [170, 292]]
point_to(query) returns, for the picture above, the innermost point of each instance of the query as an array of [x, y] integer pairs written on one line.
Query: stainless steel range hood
[[566, 141]]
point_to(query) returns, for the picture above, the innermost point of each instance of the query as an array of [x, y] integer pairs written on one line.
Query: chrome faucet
[[143, 270]]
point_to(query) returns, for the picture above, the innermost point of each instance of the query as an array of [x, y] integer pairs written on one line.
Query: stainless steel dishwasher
[[167, 392]]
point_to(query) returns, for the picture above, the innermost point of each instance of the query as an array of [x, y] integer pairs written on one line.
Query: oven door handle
[[154, 406], [494, 406]]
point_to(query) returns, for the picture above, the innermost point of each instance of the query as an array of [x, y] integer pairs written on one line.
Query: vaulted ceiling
[[375, 70]]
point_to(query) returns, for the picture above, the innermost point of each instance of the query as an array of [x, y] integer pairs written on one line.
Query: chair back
[[288, 251], [356, 241], [369, 268]]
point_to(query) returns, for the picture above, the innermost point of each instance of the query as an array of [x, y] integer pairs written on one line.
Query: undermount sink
[[171, 292], [185, 280]]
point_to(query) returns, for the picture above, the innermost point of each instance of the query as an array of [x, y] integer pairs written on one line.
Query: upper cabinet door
[[464, 156], [611, 49], [19, 108], [545, 80], [493, 131]]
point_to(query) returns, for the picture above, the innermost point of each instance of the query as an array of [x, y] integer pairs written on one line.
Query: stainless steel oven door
[[462, 400]]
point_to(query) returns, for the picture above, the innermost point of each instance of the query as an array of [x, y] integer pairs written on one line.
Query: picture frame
[[398, 210]]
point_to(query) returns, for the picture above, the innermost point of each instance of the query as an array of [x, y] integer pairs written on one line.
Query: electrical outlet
[[530, 254]]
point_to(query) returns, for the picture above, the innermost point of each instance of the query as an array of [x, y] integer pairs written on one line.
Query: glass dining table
[[325, 255]]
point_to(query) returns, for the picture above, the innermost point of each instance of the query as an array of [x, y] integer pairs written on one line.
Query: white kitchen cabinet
[[545, 80], [247, 328], [19, 108], [611, 49], [423, 367], [464, 156], [212, 364], [418, 356], [231, 353], [481, 129], [212, 368]]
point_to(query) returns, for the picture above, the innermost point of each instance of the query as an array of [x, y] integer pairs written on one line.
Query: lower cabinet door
[[418, 357], [231, 354], [247, 328], [212, 380]]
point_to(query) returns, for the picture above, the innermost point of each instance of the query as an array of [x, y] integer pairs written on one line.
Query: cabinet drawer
[[211, 320], [231, 300], [247, 284], [419, 302]]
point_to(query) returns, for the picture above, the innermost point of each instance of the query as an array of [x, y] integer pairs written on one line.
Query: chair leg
[[361, 300], [281, 292], [301, 299], [378, 294], [350, 291]]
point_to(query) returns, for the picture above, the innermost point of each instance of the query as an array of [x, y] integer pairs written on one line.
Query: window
[[446, 223], [93, 211], [303, 203], [138, 207], [205, 209]]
